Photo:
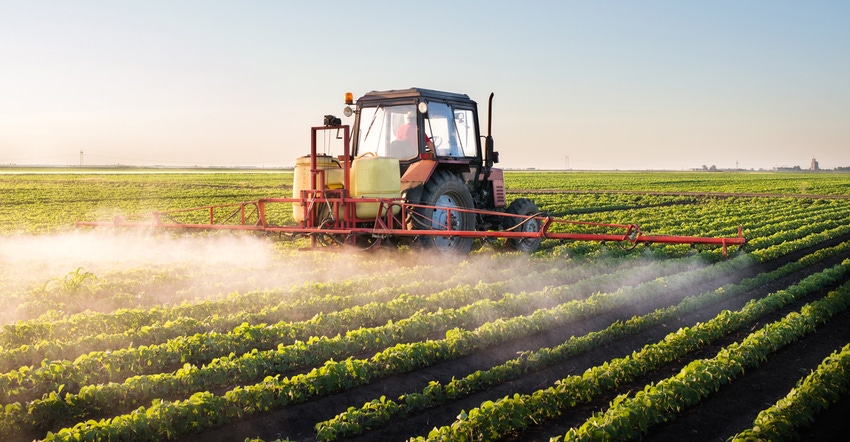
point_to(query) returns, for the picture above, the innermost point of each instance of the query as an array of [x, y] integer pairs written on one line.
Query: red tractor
[[444, 161]]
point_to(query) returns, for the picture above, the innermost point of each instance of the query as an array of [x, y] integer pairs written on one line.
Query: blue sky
[[589, 85]]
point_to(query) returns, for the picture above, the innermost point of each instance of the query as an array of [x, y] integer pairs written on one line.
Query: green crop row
[[744, 182], [95, 400], [769, 228], [174, 353], [335, 376], [762, 235], [814, 393], [768, 223], [377, 412], [289, 309], [105, 366], [44, 202], [166, 419], [629, 418], [271, 306], [82, 325], [494, 419], [565, 205]]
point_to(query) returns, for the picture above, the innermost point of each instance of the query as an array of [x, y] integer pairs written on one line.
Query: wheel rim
[[440, 219], [532, 225]]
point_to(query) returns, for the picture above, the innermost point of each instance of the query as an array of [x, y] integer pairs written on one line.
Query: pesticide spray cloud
[[31, 258], [102, 270], [153, 268]]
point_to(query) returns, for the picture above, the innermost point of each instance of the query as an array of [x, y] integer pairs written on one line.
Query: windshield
[[389, 131]]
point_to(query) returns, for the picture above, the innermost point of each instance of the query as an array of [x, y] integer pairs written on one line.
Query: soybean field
[[161, 335]]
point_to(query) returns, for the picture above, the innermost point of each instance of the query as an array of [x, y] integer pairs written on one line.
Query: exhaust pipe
[[490, 156]]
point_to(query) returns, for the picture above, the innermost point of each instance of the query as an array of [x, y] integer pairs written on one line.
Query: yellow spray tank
[[375, 177], [301, 181]]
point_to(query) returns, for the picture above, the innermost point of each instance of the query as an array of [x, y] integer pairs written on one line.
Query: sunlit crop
[[145, 335]]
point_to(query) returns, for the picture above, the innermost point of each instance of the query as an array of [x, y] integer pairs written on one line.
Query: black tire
[[446, 189], [524, 207]]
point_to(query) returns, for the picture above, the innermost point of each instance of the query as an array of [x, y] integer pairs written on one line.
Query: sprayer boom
[[251, 216], [412, 171]]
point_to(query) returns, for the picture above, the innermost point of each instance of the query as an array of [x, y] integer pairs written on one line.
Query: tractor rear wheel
[[446, 189], [527, 208]]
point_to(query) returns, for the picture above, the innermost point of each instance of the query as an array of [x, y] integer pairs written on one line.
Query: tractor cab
[[428, 131], [416, 124]]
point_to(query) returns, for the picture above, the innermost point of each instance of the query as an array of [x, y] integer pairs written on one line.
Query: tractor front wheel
[[448, 190]]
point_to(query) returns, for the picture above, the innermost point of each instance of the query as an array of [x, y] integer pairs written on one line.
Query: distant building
[[815, 165]]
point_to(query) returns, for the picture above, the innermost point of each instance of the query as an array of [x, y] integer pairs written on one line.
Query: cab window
[[465, 126], [453, 132]]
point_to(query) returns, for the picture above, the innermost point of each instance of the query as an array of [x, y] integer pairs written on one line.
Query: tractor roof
[[414, 92]]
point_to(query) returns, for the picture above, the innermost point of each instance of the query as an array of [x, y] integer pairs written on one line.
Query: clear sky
[[584, 84]]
